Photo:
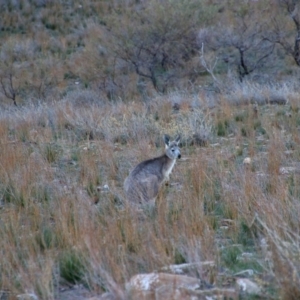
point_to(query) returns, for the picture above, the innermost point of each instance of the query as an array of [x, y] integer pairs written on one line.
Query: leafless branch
[[8, 88], [209, 66]]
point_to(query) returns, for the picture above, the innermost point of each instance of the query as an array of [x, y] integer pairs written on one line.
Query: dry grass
[[63, 162], [56, 159]]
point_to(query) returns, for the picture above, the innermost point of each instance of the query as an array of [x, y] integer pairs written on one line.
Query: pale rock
[[27, 296], [286, 170], [103, 189], [161, 286], [248, 286], [247, 161], [105, 296], [187, 267]]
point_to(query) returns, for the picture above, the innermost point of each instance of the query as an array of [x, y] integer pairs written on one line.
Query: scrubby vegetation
[[62, 214], [132, 49], [87, 91]]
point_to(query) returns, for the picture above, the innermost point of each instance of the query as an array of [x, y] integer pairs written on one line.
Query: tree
[[286, 35], [8, 87], [158, 39], [22, 73], [240, 42]]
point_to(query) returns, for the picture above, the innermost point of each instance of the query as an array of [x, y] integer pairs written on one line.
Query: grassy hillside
[[87, 90], [131, 50], [62, 215]]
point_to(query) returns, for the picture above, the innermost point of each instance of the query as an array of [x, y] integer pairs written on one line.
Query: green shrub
[[222, 127], [10, 194], [51, 153], [72, 266], [46, 238]]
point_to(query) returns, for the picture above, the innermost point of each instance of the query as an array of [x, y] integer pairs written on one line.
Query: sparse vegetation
[[57, 214], [87, 91]]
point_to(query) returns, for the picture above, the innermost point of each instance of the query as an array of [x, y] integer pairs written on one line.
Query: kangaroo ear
[[167, 139], [177, 140]]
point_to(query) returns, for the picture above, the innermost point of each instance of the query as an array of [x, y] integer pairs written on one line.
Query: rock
[[188, 267], [286, 170], [27, 296], [161, 286], [247, 161], [104, 188], [105, 296], [248, 286]]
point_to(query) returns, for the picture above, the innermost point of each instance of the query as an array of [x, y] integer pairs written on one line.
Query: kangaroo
[[144, 181]]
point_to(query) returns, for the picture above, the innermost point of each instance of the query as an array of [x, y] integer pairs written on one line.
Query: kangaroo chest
[[168, 169]]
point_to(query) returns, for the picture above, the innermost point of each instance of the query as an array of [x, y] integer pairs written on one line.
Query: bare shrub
[[162, 40], [83, 98], [23, 74], [287, 9], [242, 46], [251, 92]]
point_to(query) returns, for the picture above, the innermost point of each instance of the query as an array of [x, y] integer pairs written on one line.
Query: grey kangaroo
[[144, 181]]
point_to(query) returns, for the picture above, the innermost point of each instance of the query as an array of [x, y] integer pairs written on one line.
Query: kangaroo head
[[172, 147]]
